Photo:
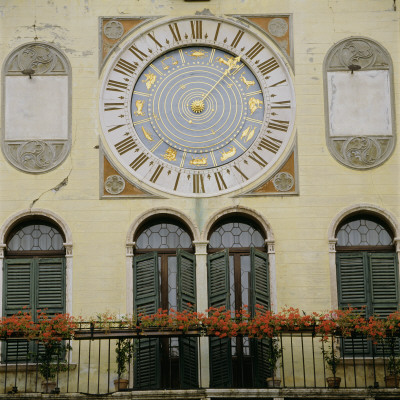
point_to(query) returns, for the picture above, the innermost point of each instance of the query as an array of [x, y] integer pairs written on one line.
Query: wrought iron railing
[[89, 362]]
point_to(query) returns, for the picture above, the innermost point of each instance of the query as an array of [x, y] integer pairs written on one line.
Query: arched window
[[165, 277], [33, 276], [367, 270], [238, 276]]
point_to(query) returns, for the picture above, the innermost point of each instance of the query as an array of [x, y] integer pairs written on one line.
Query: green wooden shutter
[[219, 295], [18, 293], [354, 291], [146, 287], [384, 283], [188, 350], [50, 275], [260, 294]]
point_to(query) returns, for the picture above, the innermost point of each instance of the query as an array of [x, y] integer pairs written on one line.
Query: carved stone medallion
[[36, 134], [283, 181], [359, 103], [113, 29], [278, 27], [114, 184]]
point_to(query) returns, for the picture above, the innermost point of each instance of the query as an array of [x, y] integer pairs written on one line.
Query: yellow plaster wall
[[300, 223]]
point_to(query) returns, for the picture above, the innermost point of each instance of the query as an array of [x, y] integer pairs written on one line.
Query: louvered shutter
[[18, 293], [188, 351], [353, 290], [384, 283], [218, 295], [260, 294], [384, 291], [146, 287]]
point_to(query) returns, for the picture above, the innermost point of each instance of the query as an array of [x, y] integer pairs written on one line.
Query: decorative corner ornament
[[359, 103], [36, 135]]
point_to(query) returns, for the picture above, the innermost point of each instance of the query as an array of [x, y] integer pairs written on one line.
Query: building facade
[[218, 153]]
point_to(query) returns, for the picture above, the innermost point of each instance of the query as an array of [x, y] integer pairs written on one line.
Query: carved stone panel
[[36, 134], [359, 103]]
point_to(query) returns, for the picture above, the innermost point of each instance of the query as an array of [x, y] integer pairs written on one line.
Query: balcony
[[89, 365]]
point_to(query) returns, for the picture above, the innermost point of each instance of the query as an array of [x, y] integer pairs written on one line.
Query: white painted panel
[[36, 108], [359, 103]]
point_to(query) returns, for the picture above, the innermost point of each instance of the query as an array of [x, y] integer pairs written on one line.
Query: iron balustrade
[[90, 362]]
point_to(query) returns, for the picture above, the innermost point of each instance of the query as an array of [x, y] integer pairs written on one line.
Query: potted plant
[[51, 361], [392, 378], [332, 360], [124, 353], [274, 355]]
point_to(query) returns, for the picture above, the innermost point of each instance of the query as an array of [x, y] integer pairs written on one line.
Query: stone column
[[202, 305]]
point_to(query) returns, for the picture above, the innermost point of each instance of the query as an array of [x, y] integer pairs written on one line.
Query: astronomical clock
[[197, 106]]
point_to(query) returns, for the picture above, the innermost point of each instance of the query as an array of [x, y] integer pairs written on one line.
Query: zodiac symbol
[[150, 79], [198, 161], [254, 104], [173, 61], [229, 85], [228, 154], [197, 53], [147, 134], [247, 134], [139, 107], [231, 62], [170, 154], [246, 82]]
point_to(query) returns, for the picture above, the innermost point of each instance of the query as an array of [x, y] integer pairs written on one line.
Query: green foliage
[[124, 351], [52, 359], [275, 353], [331, 358]]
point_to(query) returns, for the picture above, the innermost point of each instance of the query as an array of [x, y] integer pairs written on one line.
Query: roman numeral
[[138, 161], [279, 125], [271, 144], [156, 174], [258, 159], [177, 180], [113, 106], [116, 86], [197, 29], [237, 38], [125, 145], [257, 48], [281, 104], [278, 83], [137, 53], [154, 39], [175, 31], [268, 66], [115, 127], [198, 183], [125, 67], [220, 181], [240, 172], [217, 31]]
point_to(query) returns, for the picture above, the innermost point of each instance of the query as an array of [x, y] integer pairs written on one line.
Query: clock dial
[[197, 107]]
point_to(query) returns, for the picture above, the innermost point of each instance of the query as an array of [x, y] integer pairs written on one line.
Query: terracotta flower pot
[[392, 381], [121, 384], [333, 382], [273, 382]]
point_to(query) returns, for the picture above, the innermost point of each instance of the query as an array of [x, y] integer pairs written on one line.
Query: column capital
[[200, 246], [130, 247], [68, 249], [332, 245], [270, 245]]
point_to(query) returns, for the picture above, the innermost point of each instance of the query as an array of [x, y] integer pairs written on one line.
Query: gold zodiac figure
[[228, 154], [251, 134], [170, 154], [245, 132], [139, 108], [231, 63], [147, 135], [197, 53], [150, 79], [246, 82], [198, 161], [254, 104], [166, 58]]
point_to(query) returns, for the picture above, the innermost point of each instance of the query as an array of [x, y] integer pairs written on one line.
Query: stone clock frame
[[254, 42]]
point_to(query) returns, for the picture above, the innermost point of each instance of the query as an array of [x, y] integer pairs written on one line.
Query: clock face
[[197, 107]]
